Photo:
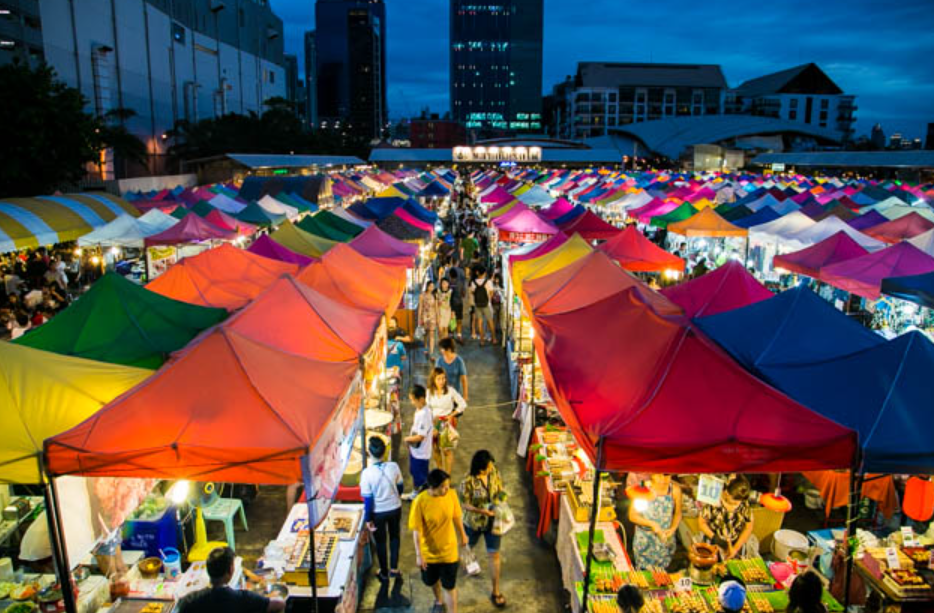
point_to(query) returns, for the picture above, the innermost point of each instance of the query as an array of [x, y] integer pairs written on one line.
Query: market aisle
[[531, 578]]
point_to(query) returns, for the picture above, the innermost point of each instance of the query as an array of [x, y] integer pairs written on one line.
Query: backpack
[[481, 298]]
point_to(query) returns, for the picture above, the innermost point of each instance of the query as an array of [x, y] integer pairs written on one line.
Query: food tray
[[138, 605], [687, 602], [342, 523], [779, 600], [751, 571]]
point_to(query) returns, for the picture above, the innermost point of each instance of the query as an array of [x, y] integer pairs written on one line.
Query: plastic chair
[[224, 510]]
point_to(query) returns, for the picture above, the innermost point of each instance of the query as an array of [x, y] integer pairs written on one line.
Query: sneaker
[[409, 496]]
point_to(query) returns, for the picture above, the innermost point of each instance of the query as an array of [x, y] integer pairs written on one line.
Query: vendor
[[729, 526], [35, 549], [654, 544], [220, 597]]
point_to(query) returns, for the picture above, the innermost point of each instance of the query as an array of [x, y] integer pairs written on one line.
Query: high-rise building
[[496, 65], [350, 45], [929, 139], [291, 80], [311, 79], [877, 137], [895, 141], [165, 61], [20, 32]]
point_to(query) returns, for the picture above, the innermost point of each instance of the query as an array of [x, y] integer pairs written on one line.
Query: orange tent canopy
[[224, 277], [708, 223], [351, 278], [230, 409], [633, 251]]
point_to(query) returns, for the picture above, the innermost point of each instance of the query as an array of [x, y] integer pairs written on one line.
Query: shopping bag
[[420, 333], [449, 436], [504, 519], [453, 325], [469, 560]]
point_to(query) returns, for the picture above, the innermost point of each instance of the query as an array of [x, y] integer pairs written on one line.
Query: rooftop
[[405, 155], [614, 74], [803, 79], [852, 159], [256, 161]]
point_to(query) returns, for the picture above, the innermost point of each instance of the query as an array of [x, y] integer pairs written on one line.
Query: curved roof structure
[[671, 136]]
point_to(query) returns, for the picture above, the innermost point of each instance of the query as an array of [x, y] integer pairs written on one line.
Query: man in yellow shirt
[[435, 520]]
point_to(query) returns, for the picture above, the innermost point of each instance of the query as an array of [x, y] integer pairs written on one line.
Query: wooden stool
[[224, 510]]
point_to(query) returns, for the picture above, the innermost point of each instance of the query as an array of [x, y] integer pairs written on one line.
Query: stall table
[[893, 602], [548, 497]]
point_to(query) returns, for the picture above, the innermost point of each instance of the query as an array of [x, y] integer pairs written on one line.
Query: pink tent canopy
[[374, 243], [412, 220], [905, 227], [863, 275], [228, 222], [590, 226], [557, 208], [724, 289], [653, 208], [497, 196], [833, 249], [191, 229], [269, 248], [524, 226], [547, 247], [515, 210]]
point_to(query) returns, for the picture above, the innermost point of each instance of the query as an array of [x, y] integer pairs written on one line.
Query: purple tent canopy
[[868, 220], [269, 248], [375, 243], [833, 249]]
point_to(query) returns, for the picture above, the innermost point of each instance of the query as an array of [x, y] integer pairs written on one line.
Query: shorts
[[445, 571], [485, 313], [492, 541]]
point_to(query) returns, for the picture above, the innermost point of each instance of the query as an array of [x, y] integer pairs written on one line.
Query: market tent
[[414, 221], [901, 210], [269, 248], [350, 217], [351, 278], [808, 261], [327, 218], [504, 209], [557, 209], [224, 277], [793, 327], [43, 394], [591, 227], [539, 250], [128, 231], [759, 217], [577, 211], [838, 210], [224, 411], [228, 222], [191, 229], [683, 212], [294, 238], [49, 220], [724, 289], [779, 229], [434, 190], [524, 270], [376, 244], [396, 226], [312, 226], [254, 214], [585, 281], [905, 227], [377, 208], [828, 227], [416, 210], [225, 203], [523, 225], [663, 398], [863, 275], [274, 207], [706, 223], [536, 196], [924, 242], [118, 321], [634, 252], [914, 288]]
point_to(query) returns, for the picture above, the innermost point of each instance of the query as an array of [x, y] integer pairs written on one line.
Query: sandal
[[498, 600], [438, 607]]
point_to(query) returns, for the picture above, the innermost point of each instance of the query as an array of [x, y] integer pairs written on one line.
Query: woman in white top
[[446, 406], [381, 490]]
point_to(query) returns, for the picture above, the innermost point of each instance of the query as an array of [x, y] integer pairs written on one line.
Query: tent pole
[[57, 541], [856, 485], [312, 574], [594, 511]]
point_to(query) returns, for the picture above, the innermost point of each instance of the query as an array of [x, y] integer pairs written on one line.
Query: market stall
[[726, 288]]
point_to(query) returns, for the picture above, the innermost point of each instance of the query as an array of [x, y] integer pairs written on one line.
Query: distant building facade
[[804, 94], [432, 132], [291, 81], [350, 50], [311, 79], [604, 95], [496, 65], [166, 61], [877, 137], [20, 32]]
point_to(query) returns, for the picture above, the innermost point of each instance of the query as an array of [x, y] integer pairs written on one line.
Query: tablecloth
[[834, 488], [548, 498]]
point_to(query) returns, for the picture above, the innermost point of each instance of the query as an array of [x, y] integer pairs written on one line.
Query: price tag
[[684, 584], [891, 558], [908, 537], [709, 489]]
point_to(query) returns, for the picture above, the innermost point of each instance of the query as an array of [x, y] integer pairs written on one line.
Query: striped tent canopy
[[47, 220]]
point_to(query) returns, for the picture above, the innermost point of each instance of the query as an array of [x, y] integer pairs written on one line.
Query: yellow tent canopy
[[392, 192], [502, 210], [571, 251], [708, 223], [522, 189], [43, 394], [292, 237]]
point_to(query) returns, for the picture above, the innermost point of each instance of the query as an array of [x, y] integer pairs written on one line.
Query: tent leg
[[312, 575], [59, 550], [594, 511], [856, 486]]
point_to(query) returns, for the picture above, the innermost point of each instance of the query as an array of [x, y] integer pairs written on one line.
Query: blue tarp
[[764, 215], [914, 288]]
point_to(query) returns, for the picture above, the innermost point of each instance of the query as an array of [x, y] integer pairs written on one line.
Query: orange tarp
[[351, 278], [224, 277], [708, 223]]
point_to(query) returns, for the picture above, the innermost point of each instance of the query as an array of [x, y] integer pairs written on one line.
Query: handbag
[[469, 560], [453, 325], [449, 436], [504, 519]]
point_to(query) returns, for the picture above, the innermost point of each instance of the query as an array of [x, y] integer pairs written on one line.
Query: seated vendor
[[395, 333], [656, 523], [220, 598], [729, 526]]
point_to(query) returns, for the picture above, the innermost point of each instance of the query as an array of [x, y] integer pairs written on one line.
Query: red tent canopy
[[724, 289], [635, 252], [350, 278], [224, 277], [269, 248], [863, 275], [191, 229], [838, 247], [663, 398], [590, 226], [903, 228]]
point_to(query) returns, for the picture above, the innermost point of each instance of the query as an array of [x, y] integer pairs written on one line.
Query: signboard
[[158, 260], [709, 489], [496, 154], [323, 468], [522, 237], [778, 168]]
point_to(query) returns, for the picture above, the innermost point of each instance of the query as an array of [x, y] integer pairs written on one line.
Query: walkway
[[531, 579]]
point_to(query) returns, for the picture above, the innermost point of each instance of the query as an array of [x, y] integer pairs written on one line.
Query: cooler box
[[151, 535]]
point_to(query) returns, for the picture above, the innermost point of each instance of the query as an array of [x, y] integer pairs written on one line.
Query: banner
[[323, 468], [158, 260]]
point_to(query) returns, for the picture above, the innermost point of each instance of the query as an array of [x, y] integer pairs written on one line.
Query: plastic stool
[[225, 509]]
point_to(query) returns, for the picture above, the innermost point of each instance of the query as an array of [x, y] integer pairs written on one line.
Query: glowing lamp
[[775, 502], [918, 503], [640, 492], [95, 260], [179, 491]]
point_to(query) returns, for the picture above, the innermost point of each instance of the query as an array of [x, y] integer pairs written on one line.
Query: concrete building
[[432, 132], [20, 32], [496, 65], [604, 95], [804, 94], [291, 80], [877, 137], [311, 79], [166, 61], [350, 50]]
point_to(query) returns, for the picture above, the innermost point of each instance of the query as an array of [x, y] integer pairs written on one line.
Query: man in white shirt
[[419, 440], [381, 490]]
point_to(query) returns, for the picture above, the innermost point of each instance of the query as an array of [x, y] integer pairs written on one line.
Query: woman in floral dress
[[428, 315], [444, 308], [656, 524]]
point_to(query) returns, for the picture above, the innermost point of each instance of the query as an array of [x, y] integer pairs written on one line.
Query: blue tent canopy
[[914, 288], [571, 215], [376, 208], [761, 216], [434, 189], [419, 212]]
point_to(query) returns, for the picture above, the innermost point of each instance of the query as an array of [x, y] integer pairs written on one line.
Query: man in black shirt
[[220, 598]]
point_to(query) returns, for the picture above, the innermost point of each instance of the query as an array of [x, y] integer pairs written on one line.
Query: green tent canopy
[[330, 219], [202, 208], [120, 322], [254, 214], [313, 226], [293, 202], [180, 211], [685, 211]]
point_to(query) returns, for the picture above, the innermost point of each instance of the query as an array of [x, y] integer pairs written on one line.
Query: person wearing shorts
[[437, 529], [481, 289], [481, 491]]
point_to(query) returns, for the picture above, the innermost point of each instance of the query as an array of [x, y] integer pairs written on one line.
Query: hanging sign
[[709, 489]]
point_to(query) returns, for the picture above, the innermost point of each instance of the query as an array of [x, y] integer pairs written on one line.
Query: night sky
[[881, 51]]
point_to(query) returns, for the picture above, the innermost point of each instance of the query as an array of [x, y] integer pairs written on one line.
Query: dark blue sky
[[882, 51]]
